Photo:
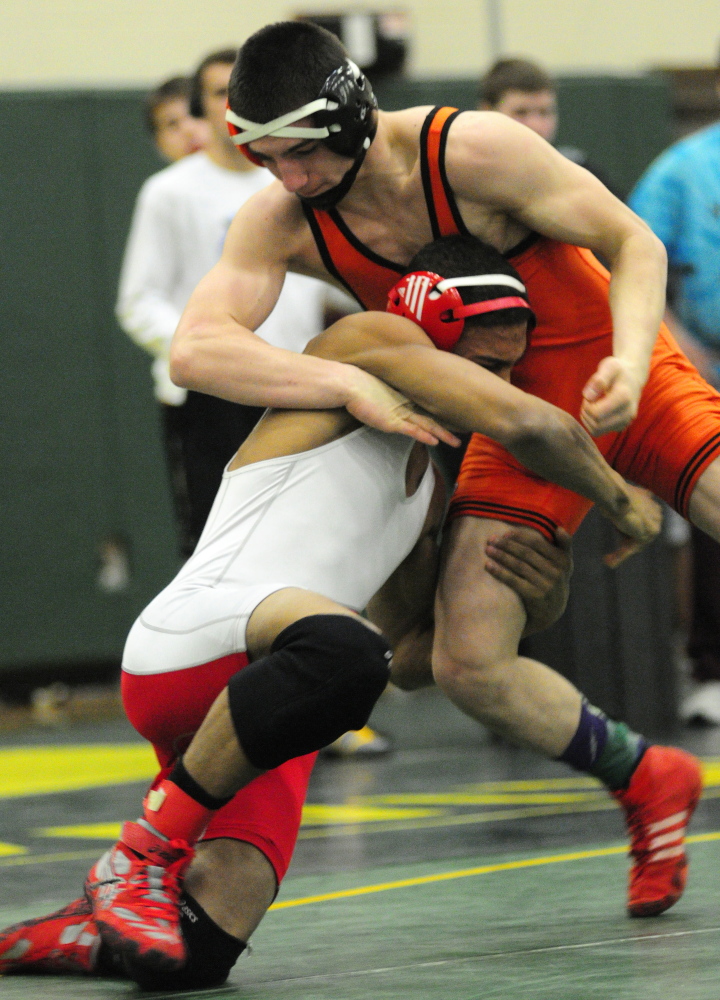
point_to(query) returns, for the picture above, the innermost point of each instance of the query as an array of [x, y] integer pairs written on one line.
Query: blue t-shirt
[[679, 198]]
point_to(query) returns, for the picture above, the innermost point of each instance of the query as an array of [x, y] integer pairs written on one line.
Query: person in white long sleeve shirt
[[178, 229]]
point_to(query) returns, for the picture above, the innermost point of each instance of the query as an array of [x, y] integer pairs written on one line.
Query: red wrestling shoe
[[658, 804], [65, 941], [135, 890]]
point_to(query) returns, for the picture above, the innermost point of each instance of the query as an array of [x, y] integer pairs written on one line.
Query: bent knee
[[485, 676]]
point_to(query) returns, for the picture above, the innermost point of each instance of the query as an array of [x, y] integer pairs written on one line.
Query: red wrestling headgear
[[434, 303]]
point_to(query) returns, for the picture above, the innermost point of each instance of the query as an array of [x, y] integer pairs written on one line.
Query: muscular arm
[[542, 437], [215, 349], [504, 167]]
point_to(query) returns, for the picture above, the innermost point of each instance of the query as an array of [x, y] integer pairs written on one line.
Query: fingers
[[425, 429], [436, 429], [610, 398], [417, 433], [628, 547], [526, 562], [527, 584], [530, 546], [610, 414], [563, 539]]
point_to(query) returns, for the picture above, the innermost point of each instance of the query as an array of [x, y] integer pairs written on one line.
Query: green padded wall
[[80, 447]]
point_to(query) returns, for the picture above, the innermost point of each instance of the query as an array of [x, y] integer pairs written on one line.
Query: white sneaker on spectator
[[702, 704]]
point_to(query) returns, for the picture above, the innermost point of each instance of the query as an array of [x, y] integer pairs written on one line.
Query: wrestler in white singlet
[[335, 520]]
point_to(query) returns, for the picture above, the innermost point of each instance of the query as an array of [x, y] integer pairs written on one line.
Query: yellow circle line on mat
[[503, 866]]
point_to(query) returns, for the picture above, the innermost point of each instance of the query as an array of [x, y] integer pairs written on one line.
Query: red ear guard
[[435, 303]]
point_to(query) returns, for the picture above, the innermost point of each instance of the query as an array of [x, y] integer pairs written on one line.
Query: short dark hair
[[281, 67], [169, 90], [513, 74], [465, 256], [225, 57]]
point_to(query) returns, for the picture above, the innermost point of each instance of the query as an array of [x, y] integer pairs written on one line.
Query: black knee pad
[[212, 952], [322, 677]]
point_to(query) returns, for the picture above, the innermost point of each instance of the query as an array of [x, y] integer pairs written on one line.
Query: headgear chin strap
[[435, 303], [343, 118]]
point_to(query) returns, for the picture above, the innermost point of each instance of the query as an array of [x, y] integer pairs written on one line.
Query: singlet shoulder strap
[[445, 217], [365, 274]]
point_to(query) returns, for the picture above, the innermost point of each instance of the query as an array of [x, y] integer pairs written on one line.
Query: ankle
[[179, 808]]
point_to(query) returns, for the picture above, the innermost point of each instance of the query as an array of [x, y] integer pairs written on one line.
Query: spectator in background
[[524, 91], [175, 132], [679, 197]]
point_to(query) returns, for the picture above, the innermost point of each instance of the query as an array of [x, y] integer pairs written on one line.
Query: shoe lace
[[156, 888]]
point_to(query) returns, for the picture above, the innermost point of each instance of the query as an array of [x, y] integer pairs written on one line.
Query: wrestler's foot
[[363, 742], [658, 804], [135, 889], [65, 941]]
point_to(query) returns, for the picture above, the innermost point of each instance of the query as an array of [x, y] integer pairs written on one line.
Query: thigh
[[478, 620], [492, 485], [704, 505], [675, 437], [284, 607], [168, 708]]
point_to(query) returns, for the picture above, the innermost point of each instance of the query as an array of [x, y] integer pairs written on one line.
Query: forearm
[[230, 361], [562, 452], [542, 437], [465, 397], [637, 299]]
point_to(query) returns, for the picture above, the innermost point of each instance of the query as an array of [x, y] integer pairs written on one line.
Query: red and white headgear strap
[[435, 304]]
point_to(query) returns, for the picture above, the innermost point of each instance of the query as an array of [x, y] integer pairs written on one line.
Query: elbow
[[182, 361], [532, 426], [656, 247], [541, 426]]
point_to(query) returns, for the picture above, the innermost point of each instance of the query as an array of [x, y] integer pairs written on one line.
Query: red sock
[[175, 814]]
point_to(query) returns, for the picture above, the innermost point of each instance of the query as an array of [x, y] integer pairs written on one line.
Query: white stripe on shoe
[[663, 824], [670, 852]]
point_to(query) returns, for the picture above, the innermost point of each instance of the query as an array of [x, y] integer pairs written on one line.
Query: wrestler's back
[[335, 520]]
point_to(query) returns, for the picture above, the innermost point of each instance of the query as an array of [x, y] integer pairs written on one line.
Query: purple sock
[[589, 740]]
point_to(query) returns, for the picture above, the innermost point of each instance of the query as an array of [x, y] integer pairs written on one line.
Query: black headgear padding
[[328, 199], [322, 677], [351, 123], [212, 953]]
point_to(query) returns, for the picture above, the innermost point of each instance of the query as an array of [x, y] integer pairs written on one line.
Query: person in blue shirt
[[679, 198]]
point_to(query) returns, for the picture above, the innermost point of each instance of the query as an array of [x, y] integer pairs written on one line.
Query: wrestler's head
[[299, 106], [469, 300]]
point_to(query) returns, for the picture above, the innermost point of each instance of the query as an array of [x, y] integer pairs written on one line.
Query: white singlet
[[334, 520]]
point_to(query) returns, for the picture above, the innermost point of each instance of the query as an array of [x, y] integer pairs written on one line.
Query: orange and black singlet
[[366, 275], [667, 447]]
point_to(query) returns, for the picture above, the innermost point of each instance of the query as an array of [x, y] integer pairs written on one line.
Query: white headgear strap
[[482, 279], [279, 126]]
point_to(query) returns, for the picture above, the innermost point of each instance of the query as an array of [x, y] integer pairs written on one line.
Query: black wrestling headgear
[[344, 119]]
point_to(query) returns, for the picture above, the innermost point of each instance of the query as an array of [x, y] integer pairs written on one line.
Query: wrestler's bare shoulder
[[404, 127], [272, 225]]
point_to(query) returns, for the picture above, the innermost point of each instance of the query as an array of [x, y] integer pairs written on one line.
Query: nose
[[292, 174]]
